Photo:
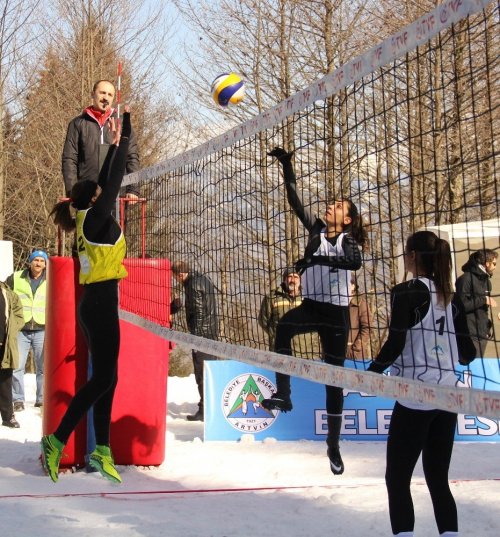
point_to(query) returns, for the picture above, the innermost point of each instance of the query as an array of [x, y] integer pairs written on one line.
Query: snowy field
[[244, 489]]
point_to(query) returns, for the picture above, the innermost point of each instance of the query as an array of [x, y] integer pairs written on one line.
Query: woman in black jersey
[[331, 253], [428, 336], [101, 249]]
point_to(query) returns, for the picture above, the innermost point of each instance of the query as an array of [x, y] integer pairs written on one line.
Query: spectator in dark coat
[[474, 288], [89, 138], [201, 317]]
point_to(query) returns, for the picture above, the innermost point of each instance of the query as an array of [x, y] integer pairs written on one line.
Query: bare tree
[[16, 37], [83, 42]]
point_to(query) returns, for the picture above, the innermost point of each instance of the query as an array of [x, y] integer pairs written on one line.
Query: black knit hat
[[288, 271]]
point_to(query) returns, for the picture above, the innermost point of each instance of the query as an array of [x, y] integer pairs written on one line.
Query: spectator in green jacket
[[282, 299], [30, 285], [11, 321]]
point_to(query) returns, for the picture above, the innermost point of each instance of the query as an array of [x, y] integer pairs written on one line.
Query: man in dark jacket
[[201, 318], [89, 138], [474, 288]]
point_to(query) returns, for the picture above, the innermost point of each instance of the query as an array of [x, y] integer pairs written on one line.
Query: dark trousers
[[199, 358], [332, 325], [412, 432], [6, 409], [98, 317]]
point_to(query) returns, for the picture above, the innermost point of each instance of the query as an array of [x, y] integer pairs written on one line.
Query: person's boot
[[198, 416], [12, 423], [332, 441], [281, 399], [102, 460], [18, 406], [277, 402]]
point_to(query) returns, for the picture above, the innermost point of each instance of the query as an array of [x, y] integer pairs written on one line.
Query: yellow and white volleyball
[[228, 88]]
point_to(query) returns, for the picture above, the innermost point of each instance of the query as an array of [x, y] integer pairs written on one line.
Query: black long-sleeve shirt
[[410, 302], [351, 260], [99, 225]]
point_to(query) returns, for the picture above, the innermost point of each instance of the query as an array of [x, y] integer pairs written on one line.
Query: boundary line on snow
[[217, 491]]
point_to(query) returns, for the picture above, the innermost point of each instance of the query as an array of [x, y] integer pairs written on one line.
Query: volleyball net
[[406, 131]]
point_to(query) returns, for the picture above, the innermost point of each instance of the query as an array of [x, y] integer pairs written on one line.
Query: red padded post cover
[[66, 355], [139, 408]]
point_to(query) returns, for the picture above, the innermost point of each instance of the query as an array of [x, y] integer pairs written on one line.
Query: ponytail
[[442, 270], [433, 258], [62, 215], [81, 198], [356, 228]]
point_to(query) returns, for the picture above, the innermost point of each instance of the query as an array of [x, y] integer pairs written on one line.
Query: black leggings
[[411, 432], [98, 316], [332, 325]]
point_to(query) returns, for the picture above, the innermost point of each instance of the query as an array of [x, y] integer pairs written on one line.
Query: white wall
[[6, 260]]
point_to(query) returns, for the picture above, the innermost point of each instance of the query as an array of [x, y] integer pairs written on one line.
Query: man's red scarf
[[100, 117]]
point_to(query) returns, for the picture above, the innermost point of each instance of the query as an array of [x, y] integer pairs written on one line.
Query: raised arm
[[118, 157], [303, 214]]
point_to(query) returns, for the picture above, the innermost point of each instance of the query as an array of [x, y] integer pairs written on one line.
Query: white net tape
[[454, 399]]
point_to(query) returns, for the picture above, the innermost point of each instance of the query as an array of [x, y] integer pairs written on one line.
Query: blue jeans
[[26, 340]]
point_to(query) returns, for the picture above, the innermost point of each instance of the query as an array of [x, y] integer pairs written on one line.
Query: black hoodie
[[473, 287]]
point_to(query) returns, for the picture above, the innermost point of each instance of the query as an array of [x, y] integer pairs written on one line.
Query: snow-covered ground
[[244, 489]]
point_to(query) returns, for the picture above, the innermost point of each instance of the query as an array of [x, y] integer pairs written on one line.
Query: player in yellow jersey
[[101, 249]]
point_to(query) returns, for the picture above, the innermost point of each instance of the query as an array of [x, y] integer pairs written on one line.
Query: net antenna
[[118, 89]]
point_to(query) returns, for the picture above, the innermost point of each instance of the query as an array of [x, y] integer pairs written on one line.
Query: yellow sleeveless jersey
[[99, 262]]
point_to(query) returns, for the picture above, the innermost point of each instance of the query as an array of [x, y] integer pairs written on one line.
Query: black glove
[[126, 126], [281, 155]]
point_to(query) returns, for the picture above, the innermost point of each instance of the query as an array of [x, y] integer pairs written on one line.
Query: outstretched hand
[[126, 127], [115, 129], [120, 127], [282, 155]]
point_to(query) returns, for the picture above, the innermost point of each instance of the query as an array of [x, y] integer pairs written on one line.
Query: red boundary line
[[205, 491]]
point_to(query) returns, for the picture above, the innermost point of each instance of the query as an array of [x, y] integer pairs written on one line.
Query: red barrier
[[140, 406], [139, 409], [65, 357]]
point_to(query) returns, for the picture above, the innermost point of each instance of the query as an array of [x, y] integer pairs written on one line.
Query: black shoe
[[12, 423], [277, 402], [336, 462], [38, 405], [196, 417], [18, 406]]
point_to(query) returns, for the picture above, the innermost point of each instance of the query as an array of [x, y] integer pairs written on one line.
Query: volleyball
[[228, 88]]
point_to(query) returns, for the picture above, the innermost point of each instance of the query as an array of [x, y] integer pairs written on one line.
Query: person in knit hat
[[30, 285], [275, 304]]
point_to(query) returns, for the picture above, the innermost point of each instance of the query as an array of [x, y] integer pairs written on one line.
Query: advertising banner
[[233, 391]]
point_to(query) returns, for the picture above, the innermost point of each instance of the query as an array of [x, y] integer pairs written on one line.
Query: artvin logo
[[241, 400]]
